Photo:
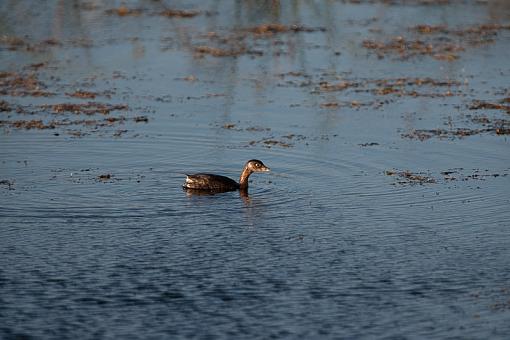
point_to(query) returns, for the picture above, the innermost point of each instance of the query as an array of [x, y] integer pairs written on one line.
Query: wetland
[[386, 126]]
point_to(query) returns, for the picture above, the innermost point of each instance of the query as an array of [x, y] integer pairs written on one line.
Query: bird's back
[[210, 182]]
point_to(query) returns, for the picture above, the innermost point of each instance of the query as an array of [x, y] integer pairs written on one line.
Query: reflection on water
[[385, 213], [243, 194]]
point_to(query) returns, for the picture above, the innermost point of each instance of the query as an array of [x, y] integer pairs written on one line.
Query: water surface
[[385, 214]]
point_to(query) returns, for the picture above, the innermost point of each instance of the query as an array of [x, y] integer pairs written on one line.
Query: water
[[333, 243]]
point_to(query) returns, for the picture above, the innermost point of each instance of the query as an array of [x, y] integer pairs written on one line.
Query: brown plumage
[[211, 182]]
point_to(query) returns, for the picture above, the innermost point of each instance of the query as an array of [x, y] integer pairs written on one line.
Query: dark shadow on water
[[194, 192]]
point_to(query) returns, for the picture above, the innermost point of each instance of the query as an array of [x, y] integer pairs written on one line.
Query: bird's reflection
[[194, 192]]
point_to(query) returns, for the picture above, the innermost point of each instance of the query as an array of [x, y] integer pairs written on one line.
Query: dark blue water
[[358, 232]]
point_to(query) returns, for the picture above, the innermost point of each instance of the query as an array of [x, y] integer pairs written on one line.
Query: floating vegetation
[[29, 124], [14, 43], [124, 11], [480, 31], [440, 42], [218, 52], [270, 142], [405, 177], [15, 84], [351, 104], [89, 124], [83, 94], [242, 41], [89, 108], [326, 86], [173, 13], [424, 134], [494, 126], [479, 105], [408, 177], [406, 48], [394, 86], [271, 29], [289, 140]]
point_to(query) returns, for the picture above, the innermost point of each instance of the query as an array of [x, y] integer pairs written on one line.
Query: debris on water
[[271, 29], [141, 119], [406, 48], [244, 40], [52, 42], [325, 86], [480, 104], [427, 29], [257, 129], [9, 184], [272, 142], [408, 177], [494, 126], [268, 143], [76, 133], [235, 127], [405, 87], [89, 108], [20, 85], [442, 133], [330, 105], [83, 94], [4, 106], [94, 124], [483, 120], [413, 87], [369, 144], [481, 31], [268, 29], [124, 11], [438, 41], [352, 104], [284, 140], [29, 124], [501, 306], [190, 78], [218, 52], [119, 133], [104, 177], [12, 42], [37, 66], [173, 13], [450, 175]]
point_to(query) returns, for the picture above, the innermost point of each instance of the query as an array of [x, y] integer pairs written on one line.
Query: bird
[[218, 183]]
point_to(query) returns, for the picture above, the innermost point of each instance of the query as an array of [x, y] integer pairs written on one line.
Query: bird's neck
[[243, 180]]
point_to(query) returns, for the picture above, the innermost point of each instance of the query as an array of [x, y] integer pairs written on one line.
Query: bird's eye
[[257, 165]]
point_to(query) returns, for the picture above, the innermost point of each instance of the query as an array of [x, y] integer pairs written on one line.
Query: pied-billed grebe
[[218, 183]]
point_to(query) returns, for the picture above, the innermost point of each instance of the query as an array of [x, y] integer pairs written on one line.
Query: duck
[[218, 183]]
